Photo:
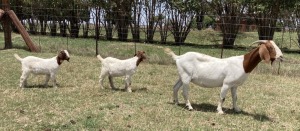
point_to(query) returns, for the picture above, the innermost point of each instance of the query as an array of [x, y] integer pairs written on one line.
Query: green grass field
[[269, 101]]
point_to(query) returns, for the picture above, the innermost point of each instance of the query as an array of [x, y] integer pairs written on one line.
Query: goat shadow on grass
[[133, 90], [206, 107], [41, 86]]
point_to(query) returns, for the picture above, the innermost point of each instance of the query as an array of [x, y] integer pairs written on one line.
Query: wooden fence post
[[22, 31]]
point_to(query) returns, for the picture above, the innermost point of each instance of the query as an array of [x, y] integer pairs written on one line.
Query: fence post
[[22, 31]]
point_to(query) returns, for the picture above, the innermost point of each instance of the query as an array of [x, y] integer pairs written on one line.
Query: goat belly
[[208, 82], [39, 71], [118, 73]]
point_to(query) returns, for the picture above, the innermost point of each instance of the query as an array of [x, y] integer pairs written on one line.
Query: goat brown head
[[269, 51], [141, 56], [63, 55]]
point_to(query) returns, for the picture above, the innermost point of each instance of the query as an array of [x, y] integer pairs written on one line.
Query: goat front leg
[[223, 93], [128, 83], [111, 82], [186, 96], [53, 78], [234, 99], [175, 91], [47, 80]]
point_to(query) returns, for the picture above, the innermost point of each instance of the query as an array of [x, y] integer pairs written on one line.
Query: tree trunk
[[122, 25], [150, 34], [74, 28], [63, 28], [181, 25], [108, 30], [199, 20], [53, 28], [230, 27], [265, 25], [135, 33], [163, 33], [6, 24], [32, 26], [135, 23], [85, 29], [43, 26]]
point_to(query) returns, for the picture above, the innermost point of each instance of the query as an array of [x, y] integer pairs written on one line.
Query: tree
[[182, 14], [296, 19], [266, 14], [151, 21], [229, 14], [200, 12], [135, 20], [108, 16], [122, 15], [163, 21]]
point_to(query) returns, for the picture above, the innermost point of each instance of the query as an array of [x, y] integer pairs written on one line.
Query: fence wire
[[144, 28]]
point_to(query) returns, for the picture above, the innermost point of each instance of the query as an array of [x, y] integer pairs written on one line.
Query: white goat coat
[[208, 71], [113, 67], [228, 73], [39, 66], [117, 68]]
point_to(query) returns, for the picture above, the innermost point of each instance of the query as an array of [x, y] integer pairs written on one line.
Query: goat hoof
[[189, 108], [221, 113], [175, 102], [237, 110]]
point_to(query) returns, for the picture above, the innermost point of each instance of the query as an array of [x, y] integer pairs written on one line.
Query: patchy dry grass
[[269, 101]]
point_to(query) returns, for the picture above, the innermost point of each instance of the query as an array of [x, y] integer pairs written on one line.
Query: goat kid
[[40, 66], [228, 73], [113, 67]]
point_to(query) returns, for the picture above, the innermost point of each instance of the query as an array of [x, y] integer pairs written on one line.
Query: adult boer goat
[[228, 73], [40, 66]]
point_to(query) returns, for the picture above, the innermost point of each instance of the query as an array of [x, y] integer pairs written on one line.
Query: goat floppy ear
[[264, 53]]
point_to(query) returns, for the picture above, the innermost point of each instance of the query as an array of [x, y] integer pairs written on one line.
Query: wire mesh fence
[[162, 26]]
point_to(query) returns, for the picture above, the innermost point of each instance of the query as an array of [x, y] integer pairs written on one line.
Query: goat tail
[[18, 57], [170, 53], [100, 58]]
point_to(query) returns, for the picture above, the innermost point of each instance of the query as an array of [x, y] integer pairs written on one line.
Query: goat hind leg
[[111, 82], [186, 96], [23, 79], [175, 91], [103, 74]]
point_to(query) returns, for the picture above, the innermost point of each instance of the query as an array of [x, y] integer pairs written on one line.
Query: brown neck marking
[[141, 56], [251, 60], [59, 60]]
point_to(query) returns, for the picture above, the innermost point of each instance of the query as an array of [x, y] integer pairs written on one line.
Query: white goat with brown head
[[228, 73], [40, 66], [113, 67]]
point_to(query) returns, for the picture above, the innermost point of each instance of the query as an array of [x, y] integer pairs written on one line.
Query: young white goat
[[228, 73], [40, 66], [113, 67]]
